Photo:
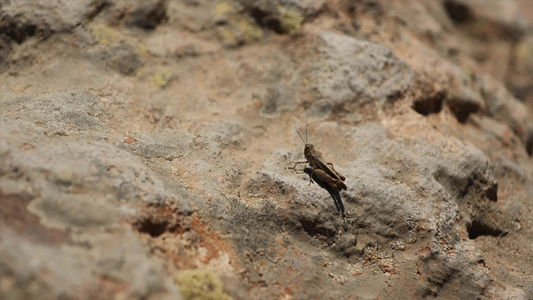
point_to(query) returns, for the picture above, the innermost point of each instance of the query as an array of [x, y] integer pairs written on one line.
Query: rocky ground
[[145, 146]]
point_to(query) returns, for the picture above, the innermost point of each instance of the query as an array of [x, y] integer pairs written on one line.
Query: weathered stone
[[351, 70], [154, 164]]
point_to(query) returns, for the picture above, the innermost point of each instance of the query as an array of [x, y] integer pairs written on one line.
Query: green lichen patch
[[105, 35], [201, 285], [290, 21], [160, 80]]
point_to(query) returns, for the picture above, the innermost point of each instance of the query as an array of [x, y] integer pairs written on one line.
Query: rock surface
[[145, 146]]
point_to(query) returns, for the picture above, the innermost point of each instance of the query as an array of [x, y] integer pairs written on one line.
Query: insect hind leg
[[333, 168]]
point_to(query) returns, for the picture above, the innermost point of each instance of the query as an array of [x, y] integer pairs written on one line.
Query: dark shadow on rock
[[480, 227], [458, 12], [148, 14], [462, 108], [429, 104]]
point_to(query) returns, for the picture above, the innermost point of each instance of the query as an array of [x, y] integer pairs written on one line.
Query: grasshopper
[[334, 183], [327, 182], [322, 169]]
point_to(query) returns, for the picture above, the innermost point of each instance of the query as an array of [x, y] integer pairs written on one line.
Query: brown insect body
[[329, 183], [314, 157], [334, 183], [322, 169]]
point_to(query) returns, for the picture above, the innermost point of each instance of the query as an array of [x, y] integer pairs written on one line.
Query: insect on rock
[[322, 169], [324, 181]]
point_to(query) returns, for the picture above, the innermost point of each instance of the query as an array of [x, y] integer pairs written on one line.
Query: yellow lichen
[[160, 80], [522, 53], [105, 35], [201, 285], [142, 51], [250, 32], [290, 21], [228, 37], [222, 9]]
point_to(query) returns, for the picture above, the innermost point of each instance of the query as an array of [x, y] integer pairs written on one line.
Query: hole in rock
[[153, 227], [458, 12], [492, 192], [462, 109], [478, 228], [431, 105], [312, 227]]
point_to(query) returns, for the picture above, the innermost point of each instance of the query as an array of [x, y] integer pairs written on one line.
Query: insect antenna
[[302, 137], [306, 134]]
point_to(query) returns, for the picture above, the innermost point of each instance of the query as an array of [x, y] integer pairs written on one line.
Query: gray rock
[[111, 188], [352, 70], [277, 99], [77, 188], [121, 57], [166, 144], [502, 106], [509, 18], [21, 20]]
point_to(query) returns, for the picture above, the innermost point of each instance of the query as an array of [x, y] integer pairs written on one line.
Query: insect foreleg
[[297, 163]]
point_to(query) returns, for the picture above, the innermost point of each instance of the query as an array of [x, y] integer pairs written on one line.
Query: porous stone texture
[[145, 149]]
